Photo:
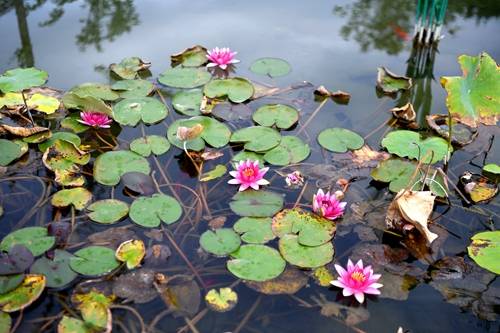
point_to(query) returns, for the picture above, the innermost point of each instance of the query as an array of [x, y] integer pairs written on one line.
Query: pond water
[[338, 44]]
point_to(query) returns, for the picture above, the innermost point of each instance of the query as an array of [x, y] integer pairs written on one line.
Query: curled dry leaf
[[461, 134], [477, 187], [22, 132], [340, 97], [367, 157], [391, 83], [189, 133], [211, 155], [405, 112]]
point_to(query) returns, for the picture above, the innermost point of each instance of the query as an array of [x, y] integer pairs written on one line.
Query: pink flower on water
[[248, 174], [357, 280], [328, 205], [95, 119], [221, 57]]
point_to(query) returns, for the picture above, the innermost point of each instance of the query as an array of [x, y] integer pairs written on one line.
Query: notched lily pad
[[256, 203], [222, 300], [220, 242], [339, 140], [17, 260], [10, 151], [272, 67], [217, 172], [194, 56], [150, 211], [19, 79], [257, 138], [256, 230], [131, 252], [150, 144], [94, 261], [110, 166], [57, 270], [133, 88], [188, 102], [485, 250], [290, 150], [213, 132], [96, 90], [107, 211], [36, 239], [256, 262], [131, 110], [236, 89], [180, 77], [279, 115], [79, 197], [129, 67], [305, 256]]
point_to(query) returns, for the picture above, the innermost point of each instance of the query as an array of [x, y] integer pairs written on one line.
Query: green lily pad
[[272, 67], [409, 144], [11, 100], [474, 97], [257, 138], [110, 166], [217, 172], [150, 144], [10, 282], [57, 271], [256, 262], [131, 110], [255, 230], [25, 294], [79, 197], [73, 325], [133, 88], [38, 137], [214, 133], [194, 56], [94, 307], [222, 300], [62, 155], [485, 250], [279, 115], [181, 77], [96, 90], [395, 171], [391, 83], [42, 103], [9, 152], [5, 322], [71, 122], [220, 242], [312, 229], [291, 150], [249, 155], [339, 140], [129, 67], [236, 89], [305, 256], [287, 283], [107, 211], [149, 212], [131, 252], [36, 239], [67, 136], [188, 101], [492, 168], [256, 203], [85, 103], [19, 79], [94, 261]]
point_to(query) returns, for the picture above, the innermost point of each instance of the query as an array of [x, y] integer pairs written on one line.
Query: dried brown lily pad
[[22, 132], [289, 282], [339, 96], [405, 112], [461, 134], [136, 286]]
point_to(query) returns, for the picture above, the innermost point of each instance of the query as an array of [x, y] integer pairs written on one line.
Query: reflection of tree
[[25, 52]]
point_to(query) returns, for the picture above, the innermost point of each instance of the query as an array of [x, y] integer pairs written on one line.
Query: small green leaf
[[237, 89], [150, 144], [180, 77], [492, 168], [94, 261], [214, 133], [57, 271], [129, 67], [149, 212], [485, 250], [188, 101], [25, 294], [107, 211], [256, 230], [272, 67], [131, 110], [339, 140], [257, 138], [19, 79], [305, 256], [256, 262], [220, 242], [217, 172], [131, 252], [223, 300], [96, 90], [133, 88], [36, 239], [291, 150], [249, 155], [191, 57], [110, 166], [280, 115], [5, 322], [67, 136], [79, 197], [9, 151], [256, 203]]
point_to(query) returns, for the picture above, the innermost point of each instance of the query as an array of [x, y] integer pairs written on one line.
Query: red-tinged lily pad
[[26, 293]]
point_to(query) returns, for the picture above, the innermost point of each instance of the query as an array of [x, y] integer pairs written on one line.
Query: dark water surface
[[338, 44]]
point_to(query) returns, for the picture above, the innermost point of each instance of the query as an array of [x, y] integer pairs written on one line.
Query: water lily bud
[[189, 133], [339, 195]]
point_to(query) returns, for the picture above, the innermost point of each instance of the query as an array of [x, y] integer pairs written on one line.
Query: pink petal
[[263, 182], [243, 187], [372, 291], [340, 270], [347, 292], [255, 186], [360, 297], [338, 283], [234, 181]]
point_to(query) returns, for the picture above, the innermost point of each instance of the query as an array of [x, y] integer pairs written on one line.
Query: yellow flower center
[[248, 172], [358, 276]]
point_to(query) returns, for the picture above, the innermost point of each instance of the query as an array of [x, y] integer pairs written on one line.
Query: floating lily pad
[[222, 300], [25, 294], [257, 138], [461, 134], [10, 282], [220, 242], [19, 79], [129, 67], [42, 103], [217, 172], [391, 83], [279, 115], [236, 89], [409, 144], [96, 90], [38, 137], [181, 295], [479, 188], [94, 261], [5, 322], [131, 110], [305, 256], [256, 230], [94, 307], [256, 203], [150, 144], [290, 150], [67, 136], [85, 103], [395, 171], [57, 271], [287, 283], [249, 155], [272, 67], [323, 276], [136, 286], [110, 166], [188, 101], [339, 140], [63, 155], [149, 212], [485, 250], [214, 133], [11, 100], [73, 325], [474, 97], [131, 252], [256, 262], [9, 152], [133, 88], [492, 168], [79, 197], [17, 260], [108, 211], [139, 182], [36, 239], [180, 77], [194, 56]]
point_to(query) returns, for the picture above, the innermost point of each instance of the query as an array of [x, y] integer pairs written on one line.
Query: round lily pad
[[36, 239], [485, 250], [279, 115], [94, 261], [339, 140], [194, 56], [249, 155], [79, 197], [256, 203], [19, 79], [9, 151], [73, 325], [396, 172], [272, 67], [107, 211], [305, 256], [214, 133], [57, 271], [96, 90], [221, 300], [25, 294], [129, 67], [492, 168], [73, 101], [110, 166], [257, 138], [181, 77], [43, 103], [150, 144], [288, 283], [149, 212], [220, 242], [17, 260], [131, 110], [131, 252], [256, 262], [188, 101], [236, 89], [256, 230], [133, 88], [67, 136], [290, 150]]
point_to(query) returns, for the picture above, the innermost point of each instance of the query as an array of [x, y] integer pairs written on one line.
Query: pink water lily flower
[[95, 119], [248, 174], [357, 280], [222, 57], [327, 205]]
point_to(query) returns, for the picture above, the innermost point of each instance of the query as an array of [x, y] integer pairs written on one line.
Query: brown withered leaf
[[22, 132], [112, 237], [416, 208], [211, 155], [289, 282], [405, 112], [217, 222], [339, 97], [461, 134], [181, 295], [136, 286]]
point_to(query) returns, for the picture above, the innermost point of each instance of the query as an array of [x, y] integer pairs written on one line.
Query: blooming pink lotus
[[327, 205], [248, 174], [95, 119], [357, 280], [222, 57]]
